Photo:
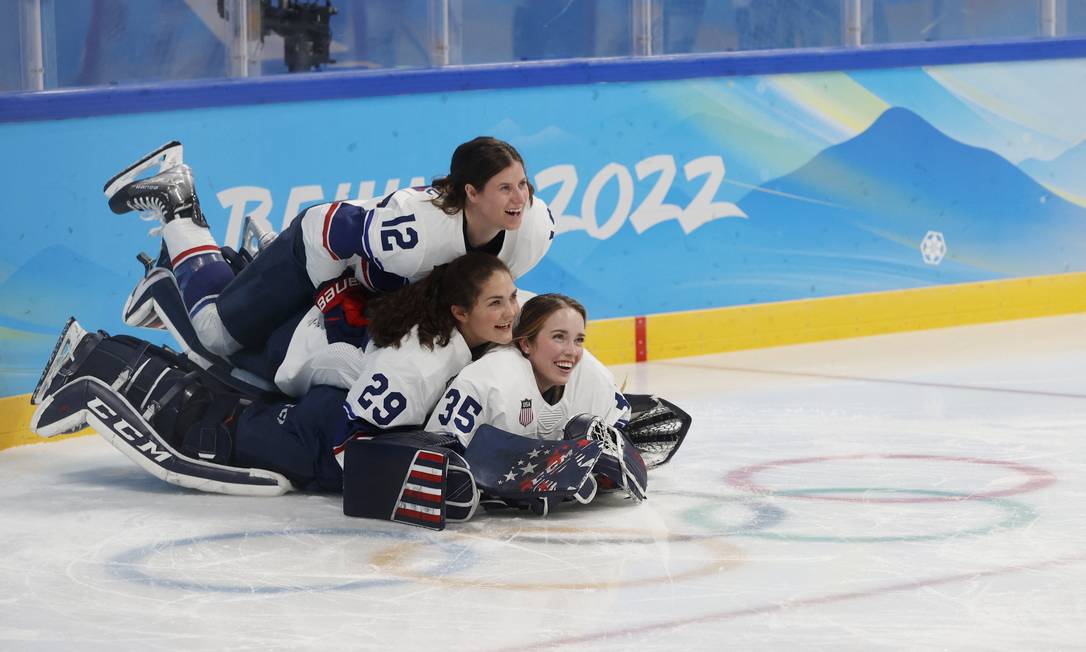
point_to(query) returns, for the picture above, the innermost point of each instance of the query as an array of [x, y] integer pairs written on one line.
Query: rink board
[[704, 199], [663, 336]]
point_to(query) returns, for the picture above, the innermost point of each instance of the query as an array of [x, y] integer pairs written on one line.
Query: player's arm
[[599, 393], [394, 242], [331, 237]]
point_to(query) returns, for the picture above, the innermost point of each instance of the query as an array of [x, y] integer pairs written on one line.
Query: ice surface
[[913, 491]]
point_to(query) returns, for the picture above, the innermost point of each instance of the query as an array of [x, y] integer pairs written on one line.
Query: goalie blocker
[[414, 477]]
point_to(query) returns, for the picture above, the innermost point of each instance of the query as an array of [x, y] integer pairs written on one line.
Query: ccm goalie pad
[[89, 400], [151, 404], [534, 473], [656, 429], [412, 477]]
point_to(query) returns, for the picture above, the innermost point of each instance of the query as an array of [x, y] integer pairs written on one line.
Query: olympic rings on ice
[[135, 565], [394, 560], [1016, 515], [1033, 478]]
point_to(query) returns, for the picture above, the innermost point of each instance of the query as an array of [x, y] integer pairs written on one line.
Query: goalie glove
[[620, 464], [657, 428]]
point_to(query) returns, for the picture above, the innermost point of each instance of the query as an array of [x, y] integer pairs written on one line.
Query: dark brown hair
[[536, 311], [475, 162], [428, 302]]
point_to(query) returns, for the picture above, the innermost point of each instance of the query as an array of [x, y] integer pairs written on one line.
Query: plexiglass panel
[[905, 21], [11, 76], [105, 42]]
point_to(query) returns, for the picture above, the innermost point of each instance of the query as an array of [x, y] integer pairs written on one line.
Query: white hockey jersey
[[500, 389], [312, 360], [398, 239], [398, 386]]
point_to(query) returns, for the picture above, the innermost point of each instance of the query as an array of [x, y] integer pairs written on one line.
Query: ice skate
[[167, 195], [72, 346]]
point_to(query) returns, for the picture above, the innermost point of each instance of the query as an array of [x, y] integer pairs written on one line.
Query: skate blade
[[69, 338], [169, 155], [256, 234]]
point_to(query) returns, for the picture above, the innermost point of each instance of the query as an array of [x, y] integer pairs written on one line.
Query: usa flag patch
[[422, 498], [526, 414]]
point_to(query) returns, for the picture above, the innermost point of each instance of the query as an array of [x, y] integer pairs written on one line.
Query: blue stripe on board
[[78, 103]]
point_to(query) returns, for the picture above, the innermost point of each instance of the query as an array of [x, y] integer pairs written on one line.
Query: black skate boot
[[168, 195]]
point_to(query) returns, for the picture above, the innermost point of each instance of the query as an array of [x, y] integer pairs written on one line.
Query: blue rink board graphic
[[669, 195]]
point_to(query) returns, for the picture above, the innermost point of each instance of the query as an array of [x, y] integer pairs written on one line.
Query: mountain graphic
[[850, 220], [43, 292], [37, 299], [878, 194], [916, 90], [1066, 172]]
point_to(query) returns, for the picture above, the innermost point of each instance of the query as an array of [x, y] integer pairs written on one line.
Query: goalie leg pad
[[394, 478], [516, 468], [172, 396], [132, 366], [89, 400]]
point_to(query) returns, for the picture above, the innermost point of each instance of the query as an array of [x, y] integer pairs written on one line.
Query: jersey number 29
[[394, 402]]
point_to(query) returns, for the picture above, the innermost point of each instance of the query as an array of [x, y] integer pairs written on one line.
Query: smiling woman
[[535, 386], [551, 335]]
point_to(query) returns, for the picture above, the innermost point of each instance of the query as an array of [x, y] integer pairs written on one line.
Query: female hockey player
[[544, 386], [536, 385], [188, 429], [486, 203]]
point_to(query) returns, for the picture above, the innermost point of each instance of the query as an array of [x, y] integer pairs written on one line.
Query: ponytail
[[428, 303]]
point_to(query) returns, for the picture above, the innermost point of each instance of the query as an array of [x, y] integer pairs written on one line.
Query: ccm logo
[[117, 424], [328, 296]]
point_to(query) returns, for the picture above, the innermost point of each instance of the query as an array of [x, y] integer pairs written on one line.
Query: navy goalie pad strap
[[519, 468], [391, 480], [90, 401]]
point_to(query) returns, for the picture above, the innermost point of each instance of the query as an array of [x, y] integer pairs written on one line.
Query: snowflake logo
[[933, 248]]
